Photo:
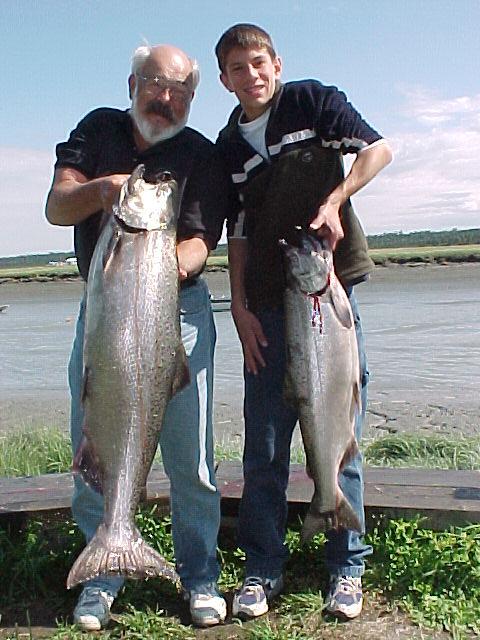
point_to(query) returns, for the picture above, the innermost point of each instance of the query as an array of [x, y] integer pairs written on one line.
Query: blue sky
[[409, 66]]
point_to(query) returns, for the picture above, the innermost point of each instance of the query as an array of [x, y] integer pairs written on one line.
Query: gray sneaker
[[92, 612], [253, 598], [345, 599], [207, 606]]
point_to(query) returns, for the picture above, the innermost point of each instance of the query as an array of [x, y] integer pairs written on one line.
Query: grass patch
[[433, 576], [40, 272], [34, 452], [432, 452], [217, 261], [454, 253]]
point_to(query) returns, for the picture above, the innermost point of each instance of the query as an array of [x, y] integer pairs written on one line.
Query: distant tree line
[[424, 238], [35, 260], [382, 241], [411, 239]]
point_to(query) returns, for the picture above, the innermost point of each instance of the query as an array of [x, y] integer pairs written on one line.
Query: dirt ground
[[377, 622]]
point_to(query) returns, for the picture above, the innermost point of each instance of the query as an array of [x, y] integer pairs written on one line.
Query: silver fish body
[[322, 378], [134, 362]]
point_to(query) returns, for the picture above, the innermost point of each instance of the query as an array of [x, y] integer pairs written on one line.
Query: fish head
[[308, 262], [146, 205]]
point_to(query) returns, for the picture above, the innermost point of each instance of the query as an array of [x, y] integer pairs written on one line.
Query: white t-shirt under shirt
[[254, 132]]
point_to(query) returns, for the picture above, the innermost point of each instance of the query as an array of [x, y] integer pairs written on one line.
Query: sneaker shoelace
[[253, 581], [204, 591], [348, 584]]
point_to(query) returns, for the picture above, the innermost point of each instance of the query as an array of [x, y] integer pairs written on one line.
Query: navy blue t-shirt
[[103, 144]]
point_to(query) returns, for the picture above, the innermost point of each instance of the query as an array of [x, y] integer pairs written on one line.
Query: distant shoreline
[[391, 257], [385, 265]]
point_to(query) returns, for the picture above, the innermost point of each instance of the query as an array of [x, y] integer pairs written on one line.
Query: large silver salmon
[[322, 377], [134, 363]]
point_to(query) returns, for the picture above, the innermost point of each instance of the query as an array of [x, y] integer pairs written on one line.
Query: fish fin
[[182, 374], [350, 452], [86, 464], [289, 394], [132, 558], [344, 517], [111, 248], [356, 407], [315, 523], [84, 390], [136, 174], [340, 302]]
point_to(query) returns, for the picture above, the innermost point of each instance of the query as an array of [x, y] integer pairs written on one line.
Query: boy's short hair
[[243, 35]]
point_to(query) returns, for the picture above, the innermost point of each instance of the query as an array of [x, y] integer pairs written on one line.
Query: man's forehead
[[171, 66]]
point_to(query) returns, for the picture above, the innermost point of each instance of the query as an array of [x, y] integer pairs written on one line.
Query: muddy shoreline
[[421, 412], [387, 263]]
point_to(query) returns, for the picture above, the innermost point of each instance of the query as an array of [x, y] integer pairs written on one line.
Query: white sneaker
[[207, 607], [253, 598], [345, 598], [92, 612]]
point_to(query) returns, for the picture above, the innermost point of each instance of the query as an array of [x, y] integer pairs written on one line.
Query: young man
[[282, 147], [91, 166]]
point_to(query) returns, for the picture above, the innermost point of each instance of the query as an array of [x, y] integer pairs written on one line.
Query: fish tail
[[133, 559], [344, 517]]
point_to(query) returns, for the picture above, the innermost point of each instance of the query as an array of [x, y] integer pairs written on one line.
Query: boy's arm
[[248, 326], [366, 166]]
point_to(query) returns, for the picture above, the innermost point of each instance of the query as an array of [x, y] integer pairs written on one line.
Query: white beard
[[152, 133]]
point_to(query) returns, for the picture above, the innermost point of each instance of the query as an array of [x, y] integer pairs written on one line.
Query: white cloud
[[430, 110], [26, 177], [434, 180]]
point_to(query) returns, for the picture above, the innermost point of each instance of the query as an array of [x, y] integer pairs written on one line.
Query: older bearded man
[[91, 166]]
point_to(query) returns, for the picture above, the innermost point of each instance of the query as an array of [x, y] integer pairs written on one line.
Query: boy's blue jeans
[[269, 424], [186, 442]]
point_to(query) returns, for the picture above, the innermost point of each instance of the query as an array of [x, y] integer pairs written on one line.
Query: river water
[[422, 328]]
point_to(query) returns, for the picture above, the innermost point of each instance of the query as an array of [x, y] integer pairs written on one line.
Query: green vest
[[287, 194]]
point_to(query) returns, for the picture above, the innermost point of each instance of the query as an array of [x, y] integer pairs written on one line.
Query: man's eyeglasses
[[157, 84]]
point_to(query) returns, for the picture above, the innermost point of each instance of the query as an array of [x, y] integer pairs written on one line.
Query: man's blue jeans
[[186, 442], [269, 424]]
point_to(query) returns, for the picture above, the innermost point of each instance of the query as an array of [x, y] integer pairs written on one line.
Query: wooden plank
[[443, 496], [422, 477]]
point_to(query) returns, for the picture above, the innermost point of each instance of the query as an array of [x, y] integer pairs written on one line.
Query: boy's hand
[[251, 336], [327, 223]]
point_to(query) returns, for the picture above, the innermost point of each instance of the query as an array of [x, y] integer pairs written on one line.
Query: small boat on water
[[3, 307]]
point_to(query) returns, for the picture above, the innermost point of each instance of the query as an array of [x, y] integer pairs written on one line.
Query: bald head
[[174, 62]]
